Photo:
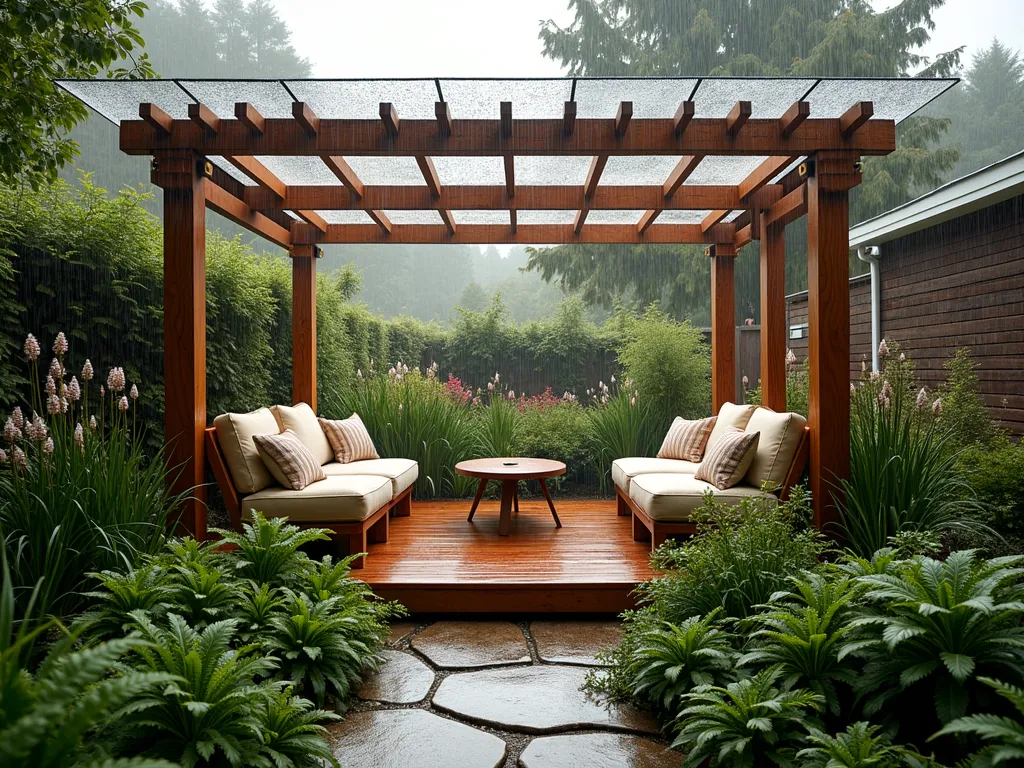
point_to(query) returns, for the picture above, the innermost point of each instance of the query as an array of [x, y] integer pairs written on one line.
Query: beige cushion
[[289, 460], [686, 440], [301, 420], [730, 415], [234, 434], [348, 499], [776, 448], [728, 460], [349, 439], [623, 470], [674, 497], [401, 472]]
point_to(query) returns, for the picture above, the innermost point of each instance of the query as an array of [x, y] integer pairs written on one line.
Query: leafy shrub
[[938, 626], [903, 476], [623, 424], [1006, 734], [996, 476], [963, 418], [670, 365], [739, 557], [669, 661], [801, 633], [861, 744], [562, 431], [752, 719], [77, 492]]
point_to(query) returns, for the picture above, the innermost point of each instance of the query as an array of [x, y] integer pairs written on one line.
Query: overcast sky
[[488, 38]]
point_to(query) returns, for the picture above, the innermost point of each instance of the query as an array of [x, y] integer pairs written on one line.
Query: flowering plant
[[77, 492]]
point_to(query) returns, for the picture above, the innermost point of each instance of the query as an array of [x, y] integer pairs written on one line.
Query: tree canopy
[[45, 39], [811, 38]]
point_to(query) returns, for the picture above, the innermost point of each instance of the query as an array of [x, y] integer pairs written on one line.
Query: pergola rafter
[[807, 149]]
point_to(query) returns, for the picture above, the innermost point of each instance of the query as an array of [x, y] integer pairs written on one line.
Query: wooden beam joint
[[306, 117], [389, 116], [622, 117], [737, 117]]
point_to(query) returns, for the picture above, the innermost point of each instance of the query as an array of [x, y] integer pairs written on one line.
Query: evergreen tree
[[809, 38], [269, 41]]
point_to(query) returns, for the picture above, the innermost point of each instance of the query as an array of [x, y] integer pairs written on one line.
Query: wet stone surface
[[402, 679], [407, 738], [598, 750], [535, 699], [574, 642], [401, 630], [462, 644]]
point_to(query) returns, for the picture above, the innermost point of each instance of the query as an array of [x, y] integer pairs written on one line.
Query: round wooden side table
[[510, 471]]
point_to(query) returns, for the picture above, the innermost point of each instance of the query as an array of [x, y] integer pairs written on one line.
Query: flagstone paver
[[462, 644], [536, 699], [412, 738], [402, 679], [574, 642], [597, 750], [400, 630]]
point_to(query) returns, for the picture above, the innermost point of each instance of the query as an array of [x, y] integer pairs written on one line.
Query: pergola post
[[723, 325], [304, 259], [184, 329], [828, 303], [773, 315]]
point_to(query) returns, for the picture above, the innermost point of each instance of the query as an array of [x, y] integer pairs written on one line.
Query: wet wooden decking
[[435, 561]]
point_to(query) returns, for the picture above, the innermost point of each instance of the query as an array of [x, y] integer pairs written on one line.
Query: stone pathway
[[495, 694]]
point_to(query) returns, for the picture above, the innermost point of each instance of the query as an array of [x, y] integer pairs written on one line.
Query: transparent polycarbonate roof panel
[[399, 170], [651, 97], [231, 171], [414, 217], [481, 99], [360, 99], [547, 170], [681, 217], [546, 217], [119, 100], [614, 217], [769, 98], [268, 97], [481, 217], [892, 99], [624, 170], [295, 215], [299, 170], [346, 217], [733, 215], [724, 169], [470, 170]]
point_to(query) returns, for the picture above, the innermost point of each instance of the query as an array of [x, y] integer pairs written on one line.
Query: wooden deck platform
[[437, 562]]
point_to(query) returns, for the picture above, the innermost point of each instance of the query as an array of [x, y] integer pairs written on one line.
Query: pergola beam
[[793, 116], [389, 120], [684, 114], [524, 234], [510, 175], [855, 117], [597, 165], [623, 117], [673, 196], [591, 136], [569, 118], [236, 210], [647, 219], [306, 117], [259, 173], [713, 218], [763, 174], [314, 218], [250, 116], [686, 165], [738, 117], [444, 118], [157, 119], [429, 174], [204, 117], [340, 168]]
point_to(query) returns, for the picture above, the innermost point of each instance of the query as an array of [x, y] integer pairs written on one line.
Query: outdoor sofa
[[662, 493], [353, 502]]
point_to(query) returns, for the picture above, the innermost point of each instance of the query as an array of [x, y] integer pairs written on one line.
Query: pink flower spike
[[18, 457], [74, 390], [116, 379], [53, 404], [790, 357], [60, 344], [883, 349], [31, 347], [122, 404], [48, 446], [11, 432], [103, 392], [18, 416], [922, 398], [937, 406], [80, 437], [134, 393], [3, 456], [87, 371], [853, 390], [50, 386], [92, 422]]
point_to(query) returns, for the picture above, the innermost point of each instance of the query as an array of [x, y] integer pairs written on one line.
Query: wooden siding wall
[[957, 284], [860, 325]]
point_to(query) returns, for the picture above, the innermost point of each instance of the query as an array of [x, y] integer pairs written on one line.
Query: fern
[[861, 745], [146, 588], [294, 734], [267, 549], [1006, 735]]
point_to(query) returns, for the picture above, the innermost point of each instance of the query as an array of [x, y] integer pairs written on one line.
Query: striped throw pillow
[[686, 440], [349, 439], [728, 460], [291, 463]]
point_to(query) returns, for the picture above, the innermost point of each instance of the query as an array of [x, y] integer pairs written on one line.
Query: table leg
[[476, 499], [508, 492], [551, 504], [515, 499]]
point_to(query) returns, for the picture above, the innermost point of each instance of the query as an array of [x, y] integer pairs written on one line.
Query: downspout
[[871, 256]]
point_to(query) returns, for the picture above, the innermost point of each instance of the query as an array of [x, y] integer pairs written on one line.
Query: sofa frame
[[646, 528], [356, 535]]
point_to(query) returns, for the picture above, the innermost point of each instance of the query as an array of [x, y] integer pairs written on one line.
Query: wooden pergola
[[716, 161]]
